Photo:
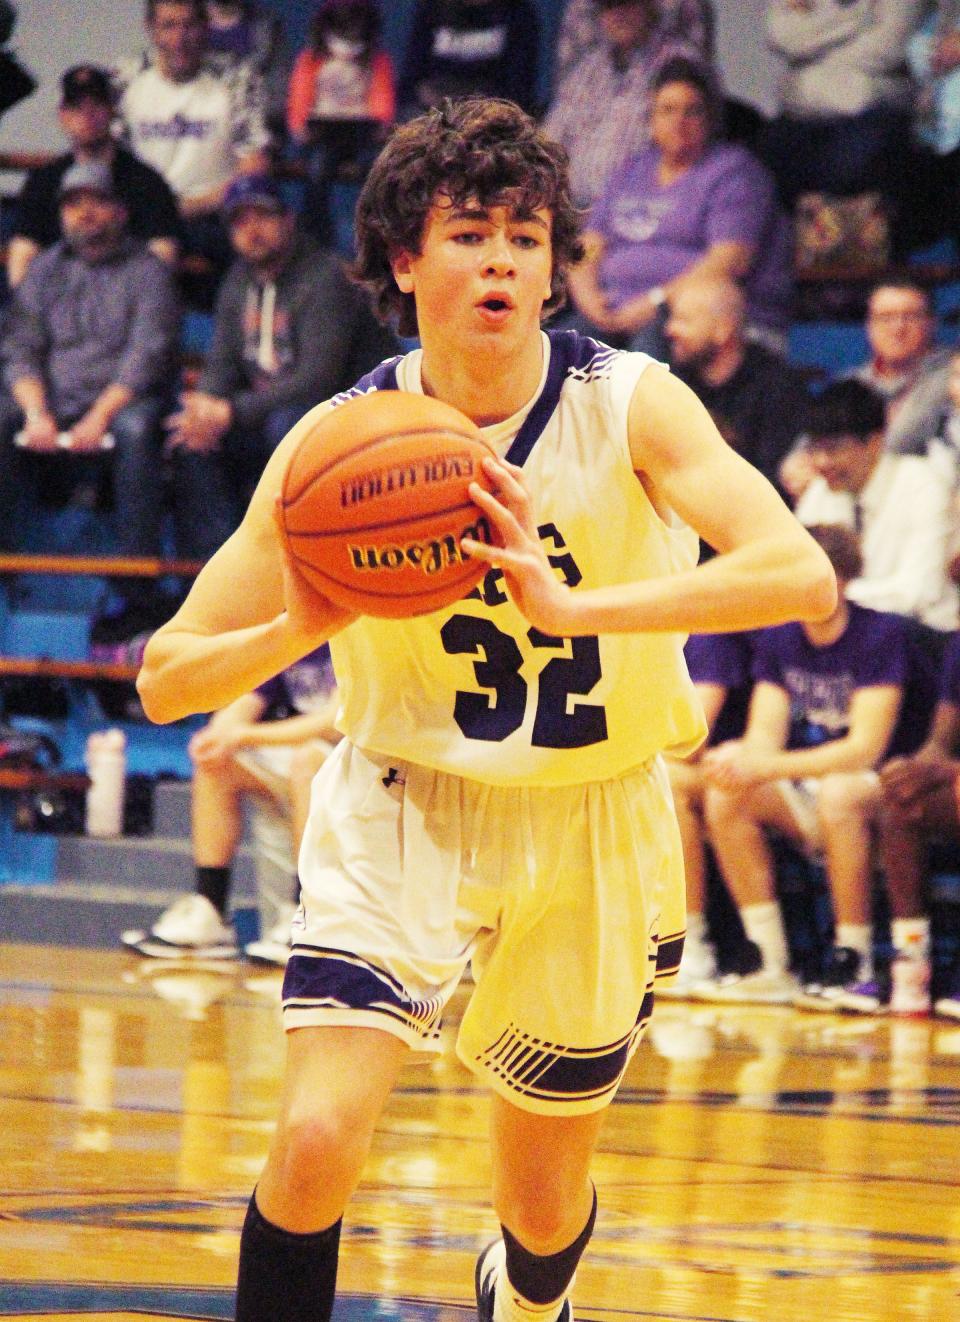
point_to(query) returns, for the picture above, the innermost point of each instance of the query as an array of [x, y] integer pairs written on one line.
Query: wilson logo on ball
[[385, 481], [430, 557]]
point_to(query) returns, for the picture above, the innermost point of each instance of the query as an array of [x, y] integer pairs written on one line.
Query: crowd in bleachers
[[210, 171]]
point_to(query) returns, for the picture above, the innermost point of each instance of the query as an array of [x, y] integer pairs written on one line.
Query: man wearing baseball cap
[[86, 113], [90, 343], [289, 330]]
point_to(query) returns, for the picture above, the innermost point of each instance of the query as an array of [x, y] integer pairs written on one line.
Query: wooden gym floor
[[759, 1164]]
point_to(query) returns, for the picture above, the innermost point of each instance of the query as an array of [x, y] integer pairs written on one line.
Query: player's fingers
[[479, 550], [507, 476], [507, 523]]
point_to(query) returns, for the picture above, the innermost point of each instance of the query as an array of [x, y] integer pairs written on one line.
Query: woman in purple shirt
[[687, 204]]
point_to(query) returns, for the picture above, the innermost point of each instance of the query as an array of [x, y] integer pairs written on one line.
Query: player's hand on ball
[[309, 613], [531, 580]]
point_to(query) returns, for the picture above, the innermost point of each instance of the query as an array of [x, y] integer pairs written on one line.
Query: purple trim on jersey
[[569, 352], [550, 1071], [950, 682], [317, 978], [383, 377], [669, 955]]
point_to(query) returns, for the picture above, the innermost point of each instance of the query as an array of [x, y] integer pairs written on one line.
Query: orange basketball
[[375, 503]]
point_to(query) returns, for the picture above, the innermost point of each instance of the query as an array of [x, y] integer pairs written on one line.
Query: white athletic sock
[[764, 927], [508, 1306], [911, 937], [858, 937], [696, 927]]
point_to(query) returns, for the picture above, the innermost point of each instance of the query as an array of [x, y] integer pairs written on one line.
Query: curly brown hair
[[478, 148], [842, 548]]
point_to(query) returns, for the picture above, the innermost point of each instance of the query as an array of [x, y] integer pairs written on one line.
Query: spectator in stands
[[916, 807], [822, 715], [196, 122], [266, 746], [87, 355], [289, 331], [844, 122], [688, 21], [685, 206], [86, 114], [905, 367], [462, 48], [934, 56], [719, 665], [16, 82], [601, 109], [733, 376], [342, 100], [900, 505], [240, 31]]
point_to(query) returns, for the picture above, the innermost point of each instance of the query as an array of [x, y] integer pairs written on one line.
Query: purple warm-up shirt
[[723, 659], [874, 650], [949, 690], [653, 232]]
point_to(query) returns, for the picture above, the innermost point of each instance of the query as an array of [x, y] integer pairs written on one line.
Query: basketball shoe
[[274, 947], [843, 970], [191, 928], [762, 987], [489, 1266], [698, 964]]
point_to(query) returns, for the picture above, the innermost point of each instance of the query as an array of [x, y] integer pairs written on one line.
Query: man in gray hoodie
[[289, 330]]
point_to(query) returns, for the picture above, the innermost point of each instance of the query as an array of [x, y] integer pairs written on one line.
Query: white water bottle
[[106, 762]]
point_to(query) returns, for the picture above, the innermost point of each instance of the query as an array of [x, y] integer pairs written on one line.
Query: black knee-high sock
[[543, 1279], [285, 1277], [214, 885]]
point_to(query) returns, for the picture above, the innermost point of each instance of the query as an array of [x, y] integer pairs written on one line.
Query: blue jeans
[[211, 491], [135, 466]]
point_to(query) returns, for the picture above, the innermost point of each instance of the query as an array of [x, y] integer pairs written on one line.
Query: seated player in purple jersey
[[719, 665], [264, 747], [824, 711], [919, 807]]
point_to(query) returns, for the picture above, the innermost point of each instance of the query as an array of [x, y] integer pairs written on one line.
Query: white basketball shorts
[[568, 901]]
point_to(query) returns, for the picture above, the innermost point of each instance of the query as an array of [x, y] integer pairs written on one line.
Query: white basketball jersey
[[473, 689]]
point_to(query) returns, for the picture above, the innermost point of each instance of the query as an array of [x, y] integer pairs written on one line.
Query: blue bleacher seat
[[832, 347]]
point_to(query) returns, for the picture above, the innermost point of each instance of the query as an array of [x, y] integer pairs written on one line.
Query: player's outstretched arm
[[248, 616], [768, 569]]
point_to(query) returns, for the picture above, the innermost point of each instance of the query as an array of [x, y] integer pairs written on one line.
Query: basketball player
[[499, 795]]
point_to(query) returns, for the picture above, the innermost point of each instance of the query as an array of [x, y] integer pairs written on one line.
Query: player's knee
[[842, 799], [722, 807], [315, 1153]]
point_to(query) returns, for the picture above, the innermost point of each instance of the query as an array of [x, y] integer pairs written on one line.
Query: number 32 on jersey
[[559, 721]]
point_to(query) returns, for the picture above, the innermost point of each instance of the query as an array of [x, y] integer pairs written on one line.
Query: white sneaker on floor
[[765, 987], [191, 928], [274, 948], [698, 964]]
